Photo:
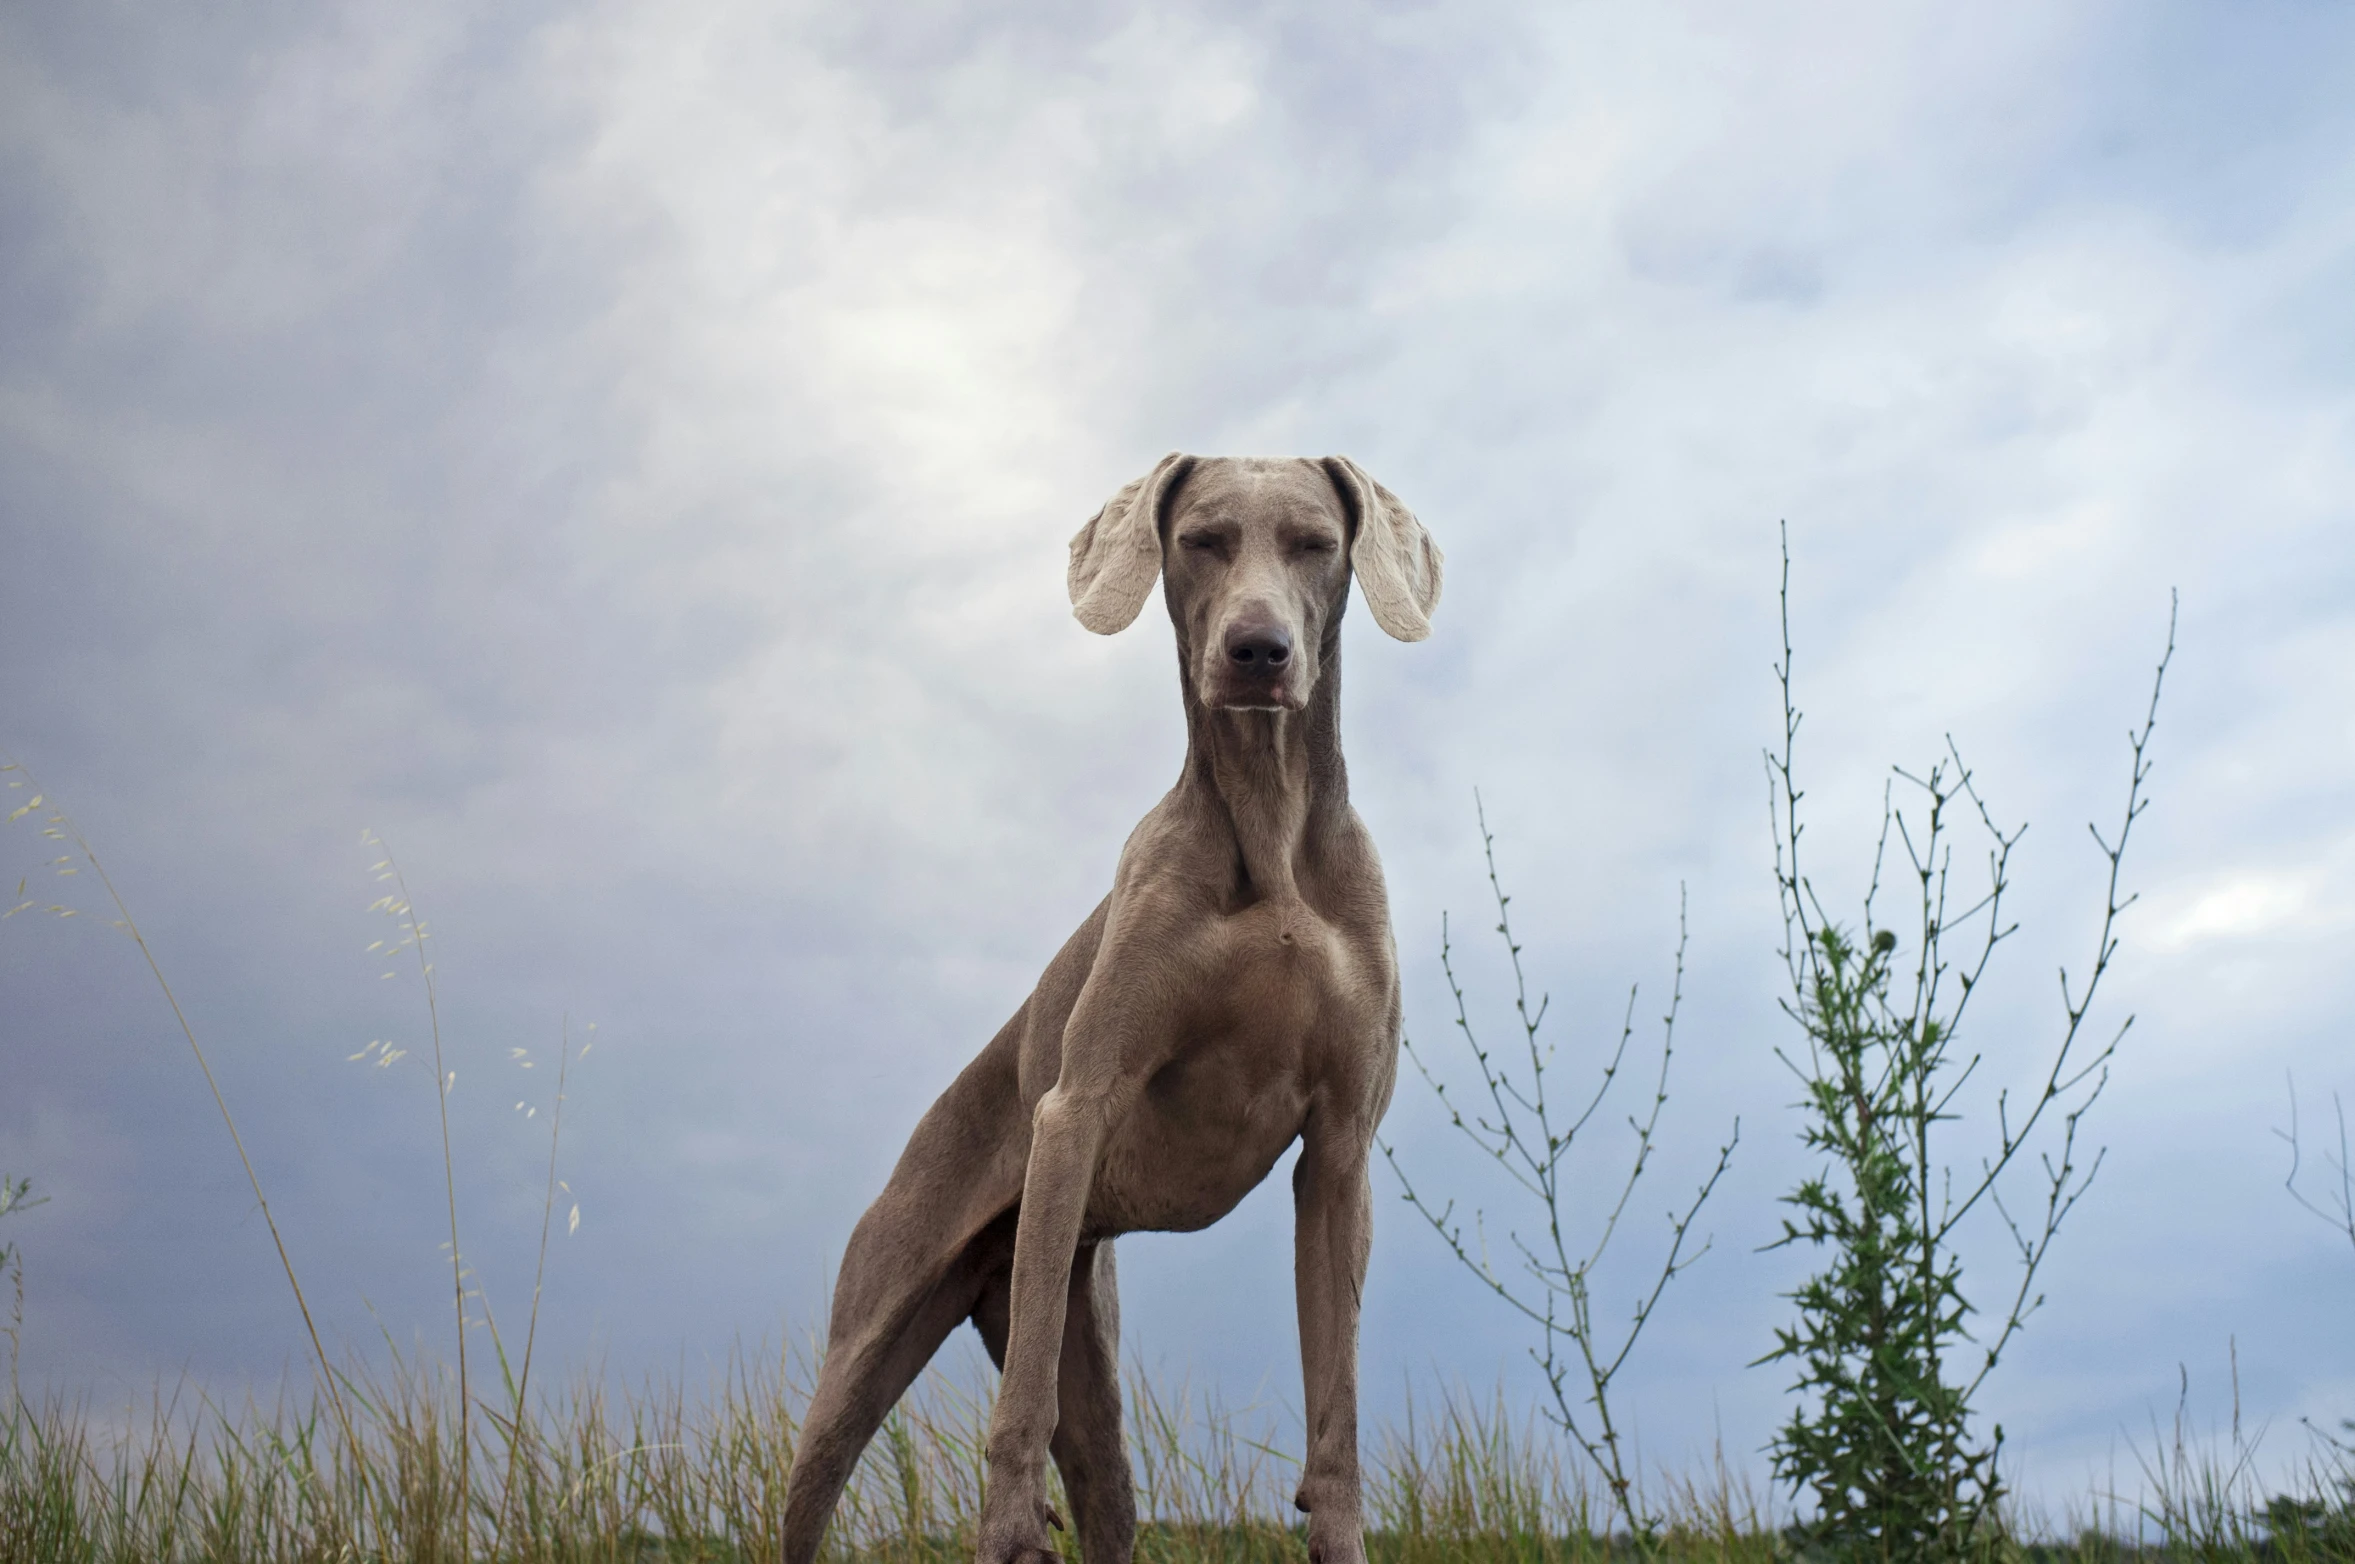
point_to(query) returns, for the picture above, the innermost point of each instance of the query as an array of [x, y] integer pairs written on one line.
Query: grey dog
[[1236, 992]]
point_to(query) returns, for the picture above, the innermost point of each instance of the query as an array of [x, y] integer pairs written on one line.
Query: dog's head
[[1258, 553]]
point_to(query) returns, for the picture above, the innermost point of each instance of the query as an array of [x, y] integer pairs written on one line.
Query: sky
[[623, 457]]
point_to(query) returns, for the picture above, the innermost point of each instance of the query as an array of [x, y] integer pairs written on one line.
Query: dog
[[1235, 993]]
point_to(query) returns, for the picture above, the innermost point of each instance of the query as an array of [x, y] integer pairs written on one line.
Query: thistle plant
[[1889, 1367]]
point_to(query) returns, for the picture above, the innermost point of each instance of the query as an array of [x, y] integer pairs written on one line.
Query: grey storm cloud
[[624, 456]]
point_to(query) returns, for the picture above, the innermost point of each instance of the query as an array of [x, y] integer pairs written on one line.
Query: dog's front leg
[[1333, 1207], [1067, 1137]]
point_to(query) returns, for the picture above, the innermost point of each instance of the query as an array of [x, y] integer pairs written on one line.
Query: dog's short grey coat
[[1236, 992]]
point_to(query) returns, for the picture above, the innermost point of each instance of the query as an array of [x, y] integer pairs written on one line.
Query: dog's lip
[[1256, 697]]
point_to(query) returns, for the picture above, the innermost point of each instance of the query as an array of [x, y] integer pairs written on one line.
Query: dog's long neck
[[1275, 778]]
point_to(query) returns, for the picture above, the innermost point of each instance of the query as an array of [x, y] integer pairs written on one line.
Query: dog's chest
[[1286, 1006]]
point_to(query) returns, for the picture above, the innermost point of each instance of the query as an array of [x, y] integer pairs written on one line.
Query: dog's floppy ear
[[1116, 556], [1397, 565]]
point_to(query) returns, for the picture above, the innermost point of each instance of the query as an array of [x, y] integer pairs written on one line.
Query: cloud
[[625, 457], [2249, 905]]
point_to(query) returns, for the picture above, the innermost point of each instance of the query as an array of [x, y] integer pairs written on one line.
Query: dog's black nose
[[1259, 648]]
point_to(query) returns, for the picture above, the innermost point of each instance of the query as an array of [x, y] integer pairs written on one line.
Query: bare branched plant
[[1525, 1127], [2334, 1203], [1882, 1442], [2324, 1517]]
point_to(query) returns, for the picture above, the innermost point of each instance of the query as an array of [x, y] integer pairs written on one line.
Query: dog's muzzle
[[1258, 668]]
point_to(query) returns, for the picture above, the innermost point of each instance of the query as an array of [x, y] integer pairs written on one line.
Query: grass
[[660, 1472]]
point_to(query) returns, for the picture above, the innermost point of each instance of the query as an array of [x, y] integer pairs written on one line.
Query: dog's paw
[[1335, 1541], [1004, 1548], [1017, 1533]]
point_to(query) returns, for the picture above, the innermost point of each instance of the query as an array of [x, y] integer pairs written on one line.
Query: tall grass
[[657, 1472], [663, 1471]]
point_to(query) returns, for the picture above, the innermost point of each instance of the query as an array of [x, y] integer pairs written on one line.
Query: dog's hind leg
[[867, 1369], [915, 1265], [1087, 1445]]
